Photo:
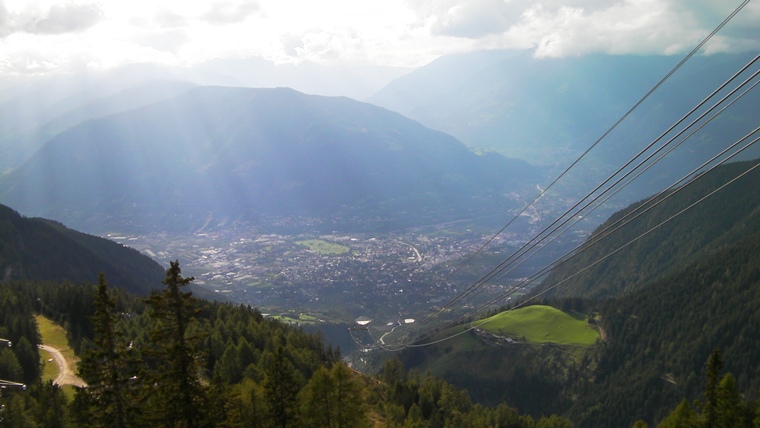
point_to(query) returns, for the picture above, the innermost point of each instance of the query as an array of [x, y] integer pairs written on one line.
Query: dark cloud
[[230, 12], [68, 18]]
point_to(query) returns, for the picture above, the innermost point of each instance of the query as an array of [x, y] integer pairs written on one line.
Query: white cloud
[[577, 27], [230, 12], [55, 19], [66, 18], [44, 33], [164, 40]]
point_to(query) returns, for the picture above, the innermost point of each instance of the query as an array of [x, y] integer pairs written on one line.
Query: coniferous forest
[[171, 360]]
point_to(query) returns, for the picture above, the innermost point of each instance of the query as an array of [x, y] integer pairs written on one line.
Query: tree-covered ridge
[[721, 406], [172, 360], [38, 249], [724, 218], [658, 336]]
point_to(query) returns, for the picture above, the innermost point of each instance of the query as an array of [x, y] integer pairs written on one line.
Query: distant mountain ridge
[[39, 249], [214, 154], [549, 110], [29, 119]]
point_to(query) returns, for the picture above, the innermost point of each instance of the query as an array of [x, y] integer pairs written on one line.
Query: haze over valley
[[552, 205]]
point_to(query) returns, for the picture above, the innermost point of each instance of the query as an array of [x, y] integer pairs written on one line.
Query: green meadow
[[541, 324]]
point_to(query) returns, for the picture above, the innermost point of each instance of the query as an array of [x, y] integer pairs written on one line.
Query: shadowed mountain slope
[[39, 249]]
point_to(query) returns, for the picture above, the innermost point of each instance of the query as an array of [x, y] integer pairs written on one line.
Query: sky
[[48, 36]]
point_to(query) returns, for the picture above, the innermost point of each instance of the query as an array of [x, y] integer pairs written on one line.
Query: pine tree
[[317, 404], [178, 397], [714, 365], [110, 368], [350, 406], [282, 382]]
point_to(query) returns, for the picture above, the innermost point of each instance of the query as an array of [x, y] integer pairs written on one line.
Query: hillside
[[664, 304], [541, 324], [660, 336], [244, 369], [721, 220], [214, 155], [39, 249]]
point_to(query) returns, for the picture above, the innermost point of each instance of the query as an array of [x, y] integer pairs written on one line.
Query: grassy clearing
[[296, 319], [55, 335], [323, 247], [542, 324]]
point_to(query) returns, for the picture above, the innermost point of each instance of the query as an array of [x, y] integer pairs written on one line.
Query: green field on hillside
[[541, 324]]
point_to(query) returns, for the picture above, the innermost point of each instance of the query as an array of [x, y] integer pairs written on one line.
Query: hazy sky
[[38, 36]]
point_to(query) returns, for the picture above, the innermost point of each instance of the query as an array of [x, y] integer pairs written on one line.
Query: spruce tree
[[110, 367], [177, 396], [714, 365], [282, 382]]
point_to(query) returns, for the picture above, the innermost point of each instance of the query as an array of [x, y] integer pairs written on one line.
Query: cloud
[[4, 20], [68, 18], [58, 19], [230, 12], [167, 41], [575, 27], [318, 45], [168, 19]]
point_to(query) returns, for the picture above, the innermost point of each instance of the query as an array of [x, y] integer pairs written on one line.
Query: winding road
[[65, 375]]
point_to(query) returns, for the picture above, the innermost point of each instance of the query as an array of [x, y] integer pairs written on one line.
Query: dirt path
[[65, 375]]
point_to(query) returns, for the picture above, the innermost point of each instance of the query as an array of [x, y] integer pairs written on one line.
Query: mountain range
[[198, 158], [214, 154], [547, 111]]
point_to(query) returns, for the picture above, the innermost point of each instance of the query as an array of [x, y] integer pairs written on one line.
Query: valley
[[335, 277]]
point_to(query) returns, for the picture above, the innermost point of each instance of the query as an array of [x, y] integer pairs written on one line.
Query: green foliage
[[333, 398], [721, 220], [37, 249], [723, 406], [658, 337], [110, 367], [178, 397], [246, 370], [281, 384]]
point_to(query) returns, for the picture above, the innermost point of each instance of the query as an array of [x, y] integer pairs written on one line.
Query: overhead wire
[[596, 143], [475, 285], [631, 216], [500, 268], [688, 179], [476, 325], [575, 217], [574, 211]]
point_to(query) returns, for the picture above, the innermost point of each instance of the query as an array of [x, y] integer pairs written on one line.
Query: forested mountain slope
[[688, 287], [39, 249], [231, 367], [725, 218], [664, 304], [659, 336]]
